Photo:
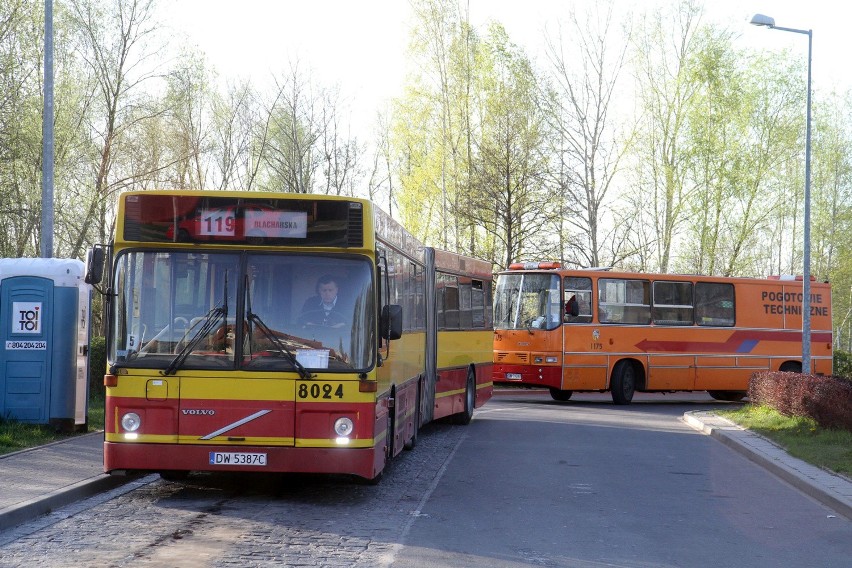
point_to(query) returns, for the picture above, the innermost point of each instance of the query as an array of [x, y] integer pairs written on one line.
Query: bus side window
[[477, 303], [580, 290], [624, 301], [714, 304], [672, 303]]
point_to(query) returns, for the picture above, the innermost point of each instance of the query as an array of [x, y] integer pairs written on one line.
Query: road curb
[[33, 508], [832, 490]]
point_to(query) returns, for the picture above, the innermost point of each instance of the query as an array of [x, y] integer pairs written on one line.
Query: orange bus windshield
[[528, 301]]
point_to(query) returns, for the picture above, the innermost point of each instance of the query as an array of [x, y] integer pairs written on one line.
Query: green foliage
[[799, 436], [825, 399], [489, 151], [15, 436], [97, 366], [843, 364]]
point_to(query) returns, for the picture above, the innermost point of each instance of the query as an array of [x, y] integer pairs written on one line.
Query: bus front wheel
[[623, 383], [560, 395]]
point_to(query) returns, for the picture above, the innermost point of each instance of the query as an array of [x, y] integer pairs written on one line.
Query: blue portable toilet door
[[26, 324]]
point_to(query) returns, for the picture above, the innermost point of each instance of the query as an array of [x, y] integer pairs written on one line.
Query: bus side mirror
[[390, 323], [95, 265]]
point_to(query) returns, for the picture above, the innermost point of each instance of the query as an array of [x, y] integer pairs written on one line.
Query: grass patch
[[801, 437], [15, 436], [96, 412]]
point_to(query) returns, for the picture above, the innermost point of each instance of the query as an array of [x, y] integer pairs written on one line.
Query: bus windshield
[[528, 301], [254, 311]]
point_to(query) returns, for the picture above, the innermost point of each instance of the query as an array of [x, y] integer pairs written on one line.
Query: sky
[[360, 45]]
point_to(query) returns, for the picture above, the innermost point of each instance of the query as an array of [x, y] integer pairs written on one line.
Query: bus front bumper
[[363, 462], [533, 375]]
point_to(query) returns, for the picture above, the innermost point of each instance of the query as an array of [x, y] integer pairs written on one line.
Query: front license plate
[[513, 376], [237, 458]]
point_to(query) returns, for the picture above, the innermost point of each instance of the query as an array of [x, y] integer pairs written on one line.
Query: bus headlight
[[551, 360], [343, 427], [131, 422]]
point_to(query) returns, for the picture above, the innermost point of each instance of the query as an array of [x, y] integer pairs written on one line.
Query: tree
[[739, 127], [21, 77], [112, 43], [586, 147], [664, 93], [305, 147], [236, 127], [510, 197], [188, 137], [433, 126]]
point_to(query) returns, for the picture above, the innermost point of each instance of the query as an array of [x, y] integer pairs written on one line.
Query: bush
[[827, 400], [843, 364], [97, 364]]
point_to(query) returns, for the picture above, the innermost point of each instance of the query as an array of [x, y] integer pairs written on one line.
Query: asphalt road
[[530, 482], [586, 483]]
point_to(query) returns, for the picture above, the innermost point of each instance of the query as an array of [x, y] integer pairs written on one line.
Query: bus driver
[[324, 309]]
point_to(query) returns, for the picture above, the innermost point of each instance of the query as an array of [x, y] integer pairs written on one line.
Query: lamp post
[[47, 138], [766, 21]]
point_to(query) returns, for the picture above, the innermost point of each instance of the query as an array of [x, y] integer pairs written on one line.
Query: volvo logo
[[199, 412]]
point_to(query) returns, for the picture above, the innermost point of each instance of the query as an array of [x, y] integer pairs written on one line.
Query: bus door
[[585, 359], [670, 365]]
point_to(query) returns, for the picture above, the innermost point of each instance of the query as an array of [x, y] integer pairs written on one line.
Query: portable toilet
[[44, 341]]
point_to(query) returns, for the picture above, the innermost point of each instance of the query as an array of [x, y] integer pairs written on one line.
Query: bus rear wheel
[[560, 395], [410, 444], [728, 396], [623, 383], [464, 417]]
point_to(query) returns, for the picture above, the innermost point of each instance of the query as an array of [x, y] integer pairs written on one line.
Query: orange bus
[[599, 330], [256, 331]]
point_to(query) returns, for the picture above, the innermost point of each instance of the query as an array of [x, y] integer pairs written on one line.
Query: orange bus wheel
[[560, 395], [728, 396], [623, 383]]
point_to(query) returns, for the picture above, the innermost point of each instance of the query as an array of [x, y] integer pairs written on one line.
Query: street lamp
[[766, 21]]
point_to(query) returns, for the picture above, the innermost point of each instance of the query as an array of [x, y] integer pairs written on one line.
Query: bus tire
[[791, 367], [464, 417], [371, 481], [391, 431], [623, 383], [174, 475], [410, 444], [728, 396], [560, 395]]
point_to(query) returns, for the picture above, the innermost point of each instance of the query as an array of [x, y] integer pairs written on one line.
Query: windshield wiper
[[209, 326], [253, 318]]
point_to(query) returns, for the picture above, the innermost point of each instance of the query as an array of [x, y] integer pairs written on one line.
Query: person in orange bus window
[[572, 309]]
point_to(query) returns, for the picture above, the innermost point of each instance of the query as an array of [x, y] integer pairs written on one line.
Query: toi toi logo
[[28, 315]]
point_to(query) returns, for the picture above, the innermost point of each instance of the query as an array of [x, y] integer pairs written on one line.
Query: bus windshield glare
[[226, 310], [528, 301]]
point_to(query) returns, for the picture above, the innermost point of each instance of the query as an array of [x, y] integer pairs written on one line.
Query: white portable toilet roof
[[65, 272]]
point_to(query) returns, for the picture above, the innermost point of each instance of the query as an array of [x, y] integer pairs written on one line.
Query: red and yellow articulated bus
[[598, 330], [275, 332]]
